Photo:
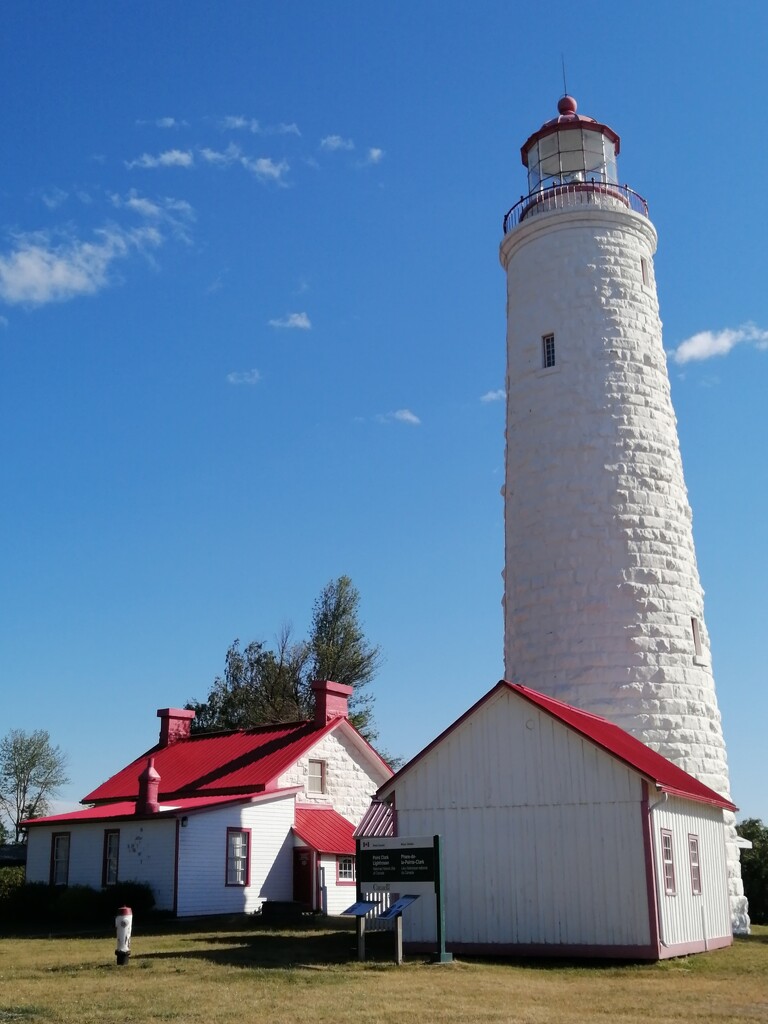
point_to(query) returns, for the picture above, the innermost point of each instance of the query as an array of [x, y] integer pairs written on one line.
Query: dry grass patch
[[248, 972]]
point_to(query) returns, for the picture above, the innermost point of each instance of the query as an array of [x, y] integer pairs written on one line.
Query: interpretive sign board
[[389, 863], [397, 907], [380, 862]]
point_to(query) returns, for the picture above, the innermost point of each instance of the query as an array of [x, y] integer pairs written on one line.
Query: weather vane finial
[[565, 87]]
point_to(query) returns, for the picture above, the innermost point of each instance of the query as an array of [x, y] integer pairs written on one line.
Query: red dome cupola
[[570, 148]]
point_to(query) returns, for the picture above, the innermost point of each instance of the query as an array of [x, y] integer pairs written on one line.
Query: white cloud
[[170, 158], [221, 159], [244, 377], [375, 156], [400, 416], [167, 122], [239, 123], [39, 270], [298, 321], [265, 168], [707, 344], [494, 396], [3, 322], [287, 129], [54, 198], [334, 142], [177, 213]]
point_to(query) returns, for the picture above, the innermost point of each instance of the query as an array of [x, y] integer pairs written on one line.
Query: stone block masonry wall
[[601, 582]]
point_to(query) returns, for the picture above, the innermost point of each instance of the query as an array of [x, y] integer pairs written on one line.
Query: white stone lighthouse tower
[[603, 607]]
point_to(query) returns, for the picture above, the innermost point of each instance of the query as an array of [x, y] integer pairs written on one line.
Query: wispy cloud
[[39, 269], [54, 198], [177, 213], [374, 155], [236, 122], [708, 344], [334, 142], [295, 321], [164, 122], [221, 159], [265, 169], [494, 396], [169, 158], [400, 416], [244, 377]]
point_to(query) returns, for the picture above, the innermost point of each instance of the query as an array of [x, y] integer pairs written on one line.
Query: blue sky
[[252, 328]]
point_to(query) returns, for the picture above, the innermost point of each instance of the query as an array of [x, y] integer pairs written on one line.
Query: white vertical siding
[[542, 833], [687, 918], [203, 857]]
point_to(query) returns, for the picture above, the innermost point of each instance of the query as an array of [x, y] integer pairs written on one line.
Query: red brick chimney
[[175, 724], [149, 785], [331, 700]]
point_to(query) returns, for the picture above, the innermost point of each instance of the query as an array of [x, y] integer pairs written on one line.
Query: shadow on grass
[[318, 945]]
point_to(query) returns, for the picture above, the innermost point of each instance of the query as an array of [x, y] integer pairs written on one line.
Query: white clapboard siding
[[542, 833], [146, 854], [685, 917], [336, 896], [203, 855]]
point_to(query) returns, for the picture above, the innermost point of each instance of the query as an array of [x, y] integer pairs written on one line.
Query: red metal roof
[[324, 829], [211, 764], [616, 741], [127, 808], [378, 820]]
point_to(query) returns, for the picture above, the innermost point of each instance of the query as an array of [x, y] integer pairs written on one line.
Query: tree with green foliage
[[32, 771], [754, 868], [261, 685]]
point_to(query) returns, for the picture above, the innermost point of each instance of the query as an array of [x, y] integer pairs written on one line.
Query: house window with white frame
[[548, 351], [60, 858], [345, 869], [668, 862], [110, 857], [238, 856], [316, 777], [693, 856]]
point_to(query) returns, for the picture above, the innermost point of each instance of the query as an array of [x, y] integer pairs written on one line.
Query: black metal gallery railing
[[577, 193]]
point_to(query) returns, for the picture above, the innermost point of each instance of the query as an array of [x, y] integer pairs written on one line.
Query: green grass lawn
[[239, 971]]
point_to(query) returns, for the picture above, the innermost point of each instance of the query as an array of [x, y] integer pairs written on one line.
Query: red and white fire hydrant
[[123, 925]]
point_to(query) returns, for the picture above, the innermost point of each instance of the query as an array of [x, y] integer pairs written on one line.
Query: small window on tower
[[644, 270], [548, 351], [698, 652]]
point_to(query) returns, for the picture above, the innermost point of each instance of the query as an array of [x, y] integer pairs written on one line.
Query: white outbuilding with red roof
[[562, 835], [221, 822]]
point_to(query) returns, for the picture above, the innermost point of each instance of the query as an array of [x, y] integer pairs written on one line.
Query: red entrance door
[[303, 887]]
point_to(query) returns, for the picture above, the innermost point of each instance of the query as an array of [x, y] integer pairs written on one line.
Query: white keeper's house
[[217, 823], [562, 835]]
